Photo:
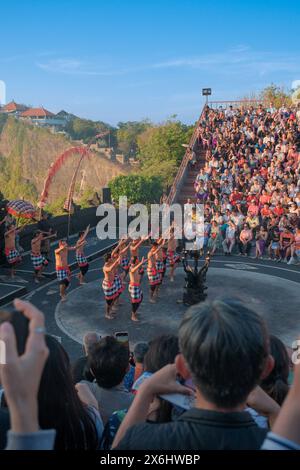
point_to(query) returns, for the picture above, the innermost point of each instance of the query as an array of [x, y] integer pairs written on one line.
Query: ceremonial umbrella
[[21, 209]]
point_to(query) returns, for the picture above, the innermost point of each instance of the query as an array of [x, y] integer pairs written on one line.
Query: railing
[[235, 103], [184, 162]]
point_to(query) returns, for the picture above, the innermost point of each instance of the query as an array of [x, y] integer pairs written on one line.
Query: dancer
[[160, 266], [153, 275], [172, 257], [117, 253], [12, 254], [125, 261], [63, 272], [38, 260], [134, 288], [134, 249], [108, 285], [80, 256]]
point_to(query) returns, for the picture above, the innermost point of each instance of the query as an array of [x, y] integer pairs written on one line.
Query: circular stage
[[274, 297]]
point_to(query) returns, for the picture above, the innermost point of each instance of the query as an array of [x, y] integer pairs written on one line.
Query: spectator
[[276, 383], [81, 368], [77, 426], [139, 352], [210, 336], [109, 363], [245, 240]]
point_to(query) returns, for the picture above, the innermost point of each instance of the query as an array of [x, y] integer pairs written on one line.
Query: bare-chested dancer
[[124, 260], [134, 250], [160, 266], [134, 288], [153, 274], [38, 260], [63, 272], [109, 286], [80, 256], [12, 254], [172, 256]]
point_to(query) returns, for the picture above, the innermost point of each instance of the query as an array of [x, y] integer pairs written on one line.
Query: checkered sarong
[[81, 260], [63, 273], [160, 266], [136, 294], [38, 261], [173, 257], [13, 256], [125, 264], [109, 289], [153, 276], [119, 284]]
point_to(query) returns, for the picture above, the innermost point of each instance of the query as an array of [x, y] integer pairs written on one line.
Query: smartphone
[[20, 324], [123, 338], [185, 402]]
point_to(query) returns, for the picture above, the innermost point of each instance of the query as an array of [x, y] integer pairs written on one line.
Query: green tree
[[127, 134], [137, 188], [160, 149], [85, 129]]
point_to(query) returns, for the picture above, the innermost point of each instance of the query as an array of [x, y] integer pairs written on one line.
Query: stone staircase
[[187, 190]]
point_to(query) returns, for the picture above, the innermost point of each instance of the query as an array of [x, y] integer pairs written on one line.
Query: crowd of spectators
[[222, 383], [250, 181]]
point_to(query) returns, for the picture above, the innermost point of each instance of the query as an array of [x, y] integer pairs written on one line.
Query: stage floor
[[271, 288], [276, 299]]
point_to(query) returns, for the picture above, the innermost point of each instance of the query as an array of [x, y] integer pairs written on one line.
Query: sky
[[114, 60]]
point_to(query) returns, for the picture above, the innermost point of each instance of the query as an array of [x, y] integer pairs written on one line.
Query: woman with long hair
[[77, 426]]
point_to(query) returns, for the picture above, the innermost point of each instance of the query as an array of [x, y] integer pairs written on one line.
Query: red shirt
[[264, 199], [253, 209], [278, 211], [235, 197], [266, 212]]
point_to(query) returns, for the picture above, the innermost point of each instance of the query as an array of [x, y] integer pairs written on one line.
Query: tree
[[127, 134], [137, 188], [84, 129], [160, 149], [276, 95]]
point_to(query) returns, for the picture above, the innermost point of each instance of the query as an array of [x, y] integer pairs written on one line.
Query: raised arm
[[133, 270]]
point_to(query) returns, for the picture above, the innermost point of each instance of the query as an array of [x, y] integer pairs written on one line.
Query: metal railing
[[235, 103]]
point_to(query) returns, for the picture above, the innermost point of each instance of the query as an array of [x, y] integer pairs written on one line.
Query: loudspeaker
[[106, 196]]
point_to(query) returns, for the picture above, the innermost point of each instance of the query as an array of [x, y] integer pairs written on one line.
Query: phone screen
[[123, 338]]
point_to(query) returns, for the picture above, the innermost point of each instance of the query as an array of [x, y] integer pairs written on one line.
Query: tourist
[[139, 353], [245, 240], [260, 242], [81, 367], [223, 383], [109, 363], [276, 383], [229, 241]]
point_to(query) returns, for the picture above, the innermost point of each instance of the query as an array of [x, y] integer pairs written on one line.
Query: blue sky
[[124, 60]]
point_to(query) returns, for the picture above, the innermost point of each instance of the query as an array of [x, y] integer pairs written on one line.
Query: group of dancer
[[40, 259], [124, 260], [120, 263]]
